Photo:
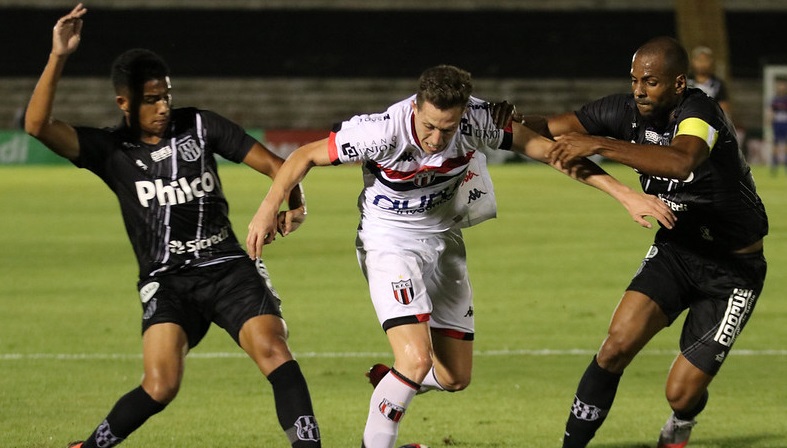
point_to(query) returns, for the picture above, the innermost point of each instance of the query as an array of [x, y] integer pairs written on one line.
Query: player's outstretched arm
[[265, 223], [638, 205], [266, 162], [56, 135]]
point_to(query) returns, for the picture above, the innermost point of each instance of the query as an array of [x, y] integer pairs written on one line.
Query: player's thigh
[[395, 271], [450, 290], [730, 290]]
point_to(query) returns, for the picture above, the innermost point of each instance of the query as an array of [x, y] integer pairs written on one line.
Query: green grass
[[547, 274]]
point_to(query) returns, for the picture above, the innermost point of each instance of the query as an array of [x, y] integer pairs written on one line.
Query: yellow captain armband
[[698, 128]]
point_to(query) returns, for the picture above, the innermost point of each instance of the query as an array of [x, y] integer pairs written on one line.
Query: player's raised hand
[[68, 31]]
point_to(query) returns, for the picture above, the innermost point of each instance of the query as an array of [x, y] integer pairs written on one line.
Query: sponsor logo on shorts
[[738, 308], [652, 252], [147, 291], [403, 291]]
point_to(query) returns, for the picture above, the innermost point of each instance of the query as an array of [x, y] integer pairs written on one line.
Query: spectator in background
[[703, 76], [777, 116]]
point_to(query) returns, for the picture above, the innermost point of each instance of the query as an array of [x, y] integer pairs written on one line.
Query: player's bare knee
[[160, 389], [615, 354], [680, 398], [456, 384]]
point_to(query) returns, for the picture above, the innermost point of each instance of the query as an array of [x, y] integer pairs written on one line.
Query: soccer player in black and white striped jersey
[[192, 270]]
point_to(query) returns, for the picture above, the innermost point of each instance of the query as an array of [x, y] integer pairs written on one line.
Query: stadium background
[[305, 64]]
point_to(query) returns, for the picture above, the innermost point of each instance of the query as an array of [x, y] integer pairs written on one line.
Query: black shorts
[[720, 293], [227, 293]]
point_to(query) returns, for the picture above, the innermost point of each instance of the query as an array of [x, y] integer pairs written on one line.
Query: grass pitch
[[547, 274]]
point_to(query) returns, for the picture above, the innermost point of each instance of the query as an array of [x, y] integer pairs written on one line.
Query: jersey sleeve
[[345, 140], [605, 116], [94, 147], [700, 118], [477, 126], [227, 138]]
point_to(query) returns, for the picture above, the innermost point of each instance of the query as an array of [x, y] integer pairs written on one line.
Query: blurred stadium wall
[[305, 64]]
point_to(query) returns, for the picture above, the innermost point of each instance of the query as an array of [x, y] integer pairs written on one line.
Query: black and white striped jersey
[[170, 194]]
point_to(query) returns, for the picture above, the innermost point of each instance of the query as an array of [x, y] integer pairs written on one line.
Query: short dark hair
[[132, 69], [444, 86], [676, 59]]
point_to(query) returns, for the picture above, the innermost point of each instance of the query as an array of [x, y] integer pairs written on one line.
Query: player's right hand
[[262, 229], [68, 31]]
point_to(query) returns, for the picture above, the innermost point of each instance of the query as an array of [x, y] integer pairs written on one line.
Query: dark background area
[[376, 44]]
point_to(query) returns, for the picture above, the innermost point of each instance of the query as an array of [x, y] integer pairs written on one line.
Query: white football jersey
[[405, 187]]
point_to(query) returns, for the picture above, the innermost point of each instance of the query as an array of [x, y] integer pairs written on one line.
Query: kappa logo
[[470, 175], [474, 195], [406, 157], [403, 291]]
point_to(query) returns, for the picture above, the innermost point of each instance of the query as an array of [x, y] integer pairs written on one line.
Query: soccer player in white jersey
[[410, 248]]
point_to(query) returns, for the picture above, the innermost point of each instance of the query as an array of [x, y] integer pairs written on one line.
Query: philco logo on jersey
[[179, 247], [738, 308], [178, 191]]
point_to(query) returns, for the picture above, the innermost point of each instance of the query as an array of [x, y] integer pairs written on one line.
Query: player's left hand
[[502, 113], [290, 220], [642, 205], [569, 147]]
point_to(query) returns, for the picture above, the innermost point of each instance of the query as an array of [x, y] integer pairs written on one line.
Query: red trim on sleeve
[[333, 151]]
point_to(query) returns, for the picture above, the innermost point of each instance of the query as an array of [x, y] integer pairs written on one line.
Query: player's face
[[154, 109], [434, 127], [655, 90]]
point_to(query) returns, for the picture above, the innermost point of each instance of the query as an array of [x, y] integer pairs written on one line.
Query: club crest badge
[[403, 291]]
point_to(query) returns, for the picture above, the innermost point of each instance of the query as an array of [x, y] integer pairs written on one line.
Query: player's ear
[[680, 84], [123, 103]]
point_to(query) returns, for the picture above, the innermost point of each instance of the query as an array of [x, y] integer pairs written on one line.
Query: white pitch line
[[302, 355]]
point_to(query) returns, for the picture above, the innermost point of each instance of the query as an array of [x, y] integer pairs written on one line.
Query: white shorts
[[418, 278]]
